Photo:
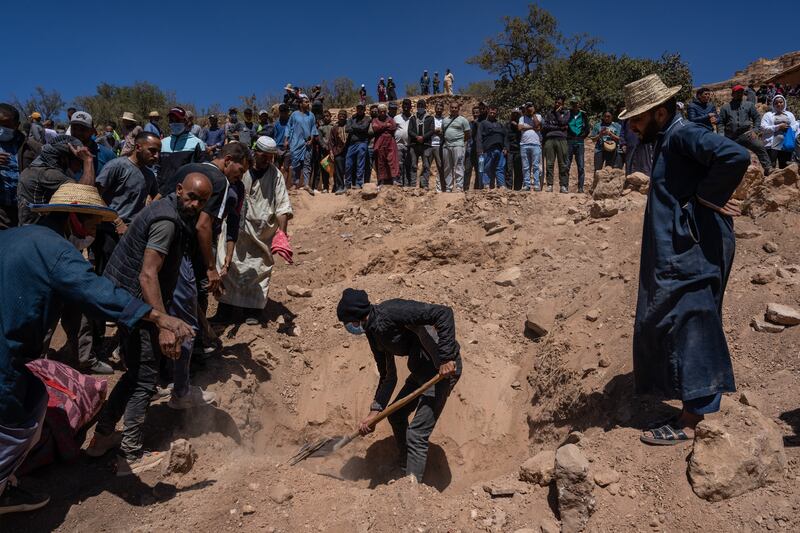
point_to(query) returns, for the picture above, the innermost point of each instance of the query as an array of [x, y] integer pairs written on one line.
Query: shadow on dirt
[[380, 465], [793, 419]]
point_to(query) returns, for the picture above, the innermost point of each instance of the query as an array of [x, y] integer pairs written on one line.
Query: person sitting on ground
[[606, 137], [702, 110], [146, 264], [775, 125], [679, 346], [426, 334], [41, 275], [267, 211]]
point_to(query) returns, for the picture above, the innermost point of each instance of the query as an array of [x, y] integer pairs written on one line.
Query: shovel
[[327, 446]]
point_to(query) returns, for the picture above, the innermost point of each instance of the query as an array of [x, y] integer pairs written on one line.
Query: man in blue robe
[[679, 346]]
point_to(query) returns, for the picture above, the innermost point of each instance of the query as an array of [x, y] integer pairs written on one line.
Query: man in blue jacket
[[702, 110], [41, 274]]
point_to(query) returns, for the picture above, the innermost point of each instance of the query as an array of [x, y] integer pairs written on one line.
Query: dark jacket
[[737, 118], [697, 112], [491, 135], [391, 331], [358, 129], [426, 129], [513, 136], [555, 124], [585, 128], [126, 262]]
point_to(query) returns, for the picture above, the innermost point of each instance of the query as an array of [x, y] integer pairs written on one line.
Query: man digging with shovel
[[426, 334]]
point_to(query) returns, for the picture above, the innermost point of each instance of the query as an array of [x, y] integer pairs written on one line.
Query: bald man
[[146, 263]]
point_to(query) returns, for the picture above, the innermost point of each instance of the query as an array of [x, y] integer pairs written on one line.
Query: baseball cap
[[83, 118], [178, 112], [263, 112], [36, 115], [737, 88]]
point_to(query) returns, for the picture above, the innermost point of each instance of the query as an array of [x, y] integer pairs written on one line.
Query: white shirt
[[530, 136], [769, 128], [401, 134], [436, 140]]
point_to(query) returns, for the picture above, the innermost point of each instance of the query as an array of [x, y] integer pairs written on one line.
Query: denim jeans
[[356, 161], [575, 149], [494, 168], [302, 167], [184, 306], [531, 161], [704, 405]]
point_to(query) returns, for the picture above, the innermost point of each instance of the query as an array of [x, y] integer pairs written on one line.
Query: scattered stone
[[603, 209], [576, 502], [606, 476], [548, 525], [281, 320], [369, 191], [516, 385], [539, 468], [574, 437], [491, 223], [248, 509], [765, 327], [593, 315], [608, 183], [748, 234], [526, 530], [499, 492], [782, 314], [539, 320], [181, 458], [740, 451], [254, 486], [280, 493], [560, 221], [770, 247], [509, 278], [613, 489], [762, 277], [638, 181], [604, 363], [298, 292], [495, 230], [752, 399]]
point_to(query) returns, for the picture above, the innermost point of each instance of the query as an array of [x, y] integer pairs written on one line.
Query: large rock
[[181, 458], [638, 181], [754, 176], [509, 277], [740, 451], [608, 183], [575, 488], [539, 468], [603, 209], [539, 319], [782, 314], [784, 177], [369, 191]]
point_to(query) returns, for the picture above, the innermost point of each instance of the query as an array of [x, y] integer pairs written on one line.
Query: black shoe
[[19, 500], [98, 367], [580, 189]]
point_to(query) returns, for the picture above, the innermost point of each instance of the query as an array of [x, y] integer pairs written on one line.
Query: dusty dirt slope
[[299, 376]]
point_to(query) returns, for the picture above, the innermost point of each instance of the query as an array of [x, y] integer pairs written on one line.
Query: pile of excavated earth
[[540, 434]]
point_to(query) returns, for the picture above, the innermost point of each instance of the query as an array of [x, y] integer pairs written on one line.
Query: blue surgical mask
[[6, 134], [176, 128], [355, 330]]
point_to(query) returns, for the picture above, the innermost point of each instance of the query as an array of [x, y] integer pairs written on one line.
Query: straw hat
[[77, 198], [154, 114], [127, 115], [645, 94]]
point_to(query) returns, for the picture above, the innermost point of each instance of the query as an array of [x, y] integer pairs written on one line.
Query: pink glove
[[282, 247]]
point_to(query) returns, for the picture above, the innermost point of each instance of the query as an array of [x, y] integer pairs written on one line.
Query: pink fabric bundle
[[282, 247]]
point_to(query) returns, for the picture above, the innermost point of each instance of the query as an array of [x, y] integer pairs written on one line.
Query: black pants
[[131, 396], [340, 162], [8, 217], [750, 141], [779, 158], [412, 439], [317, 171], [471, 167], [514, 171]]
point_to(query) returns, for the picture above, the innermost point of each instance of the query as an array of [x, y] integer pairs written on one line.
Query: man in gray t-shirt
[[456, 132]]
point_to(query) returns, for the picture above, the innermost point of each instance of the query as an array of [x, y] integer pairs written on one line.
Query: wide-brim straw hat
[[645, 94], [77, 198], [127, 115]]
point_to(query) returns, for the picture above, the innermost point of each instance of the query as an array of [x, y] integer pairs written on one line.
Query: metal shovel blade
[[320, 448]]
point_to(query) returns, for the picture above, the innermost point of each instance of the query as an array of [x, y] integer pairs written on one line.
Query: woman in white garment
[[774, 125], [264, 222]]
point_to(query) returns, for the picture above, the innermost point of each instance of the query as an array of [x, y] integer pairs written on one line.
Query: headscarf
[[785, 103], [52, 151]]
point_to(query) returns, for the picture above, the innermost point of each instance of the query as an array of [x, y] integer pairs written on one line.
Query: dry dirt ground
[[299, 376]]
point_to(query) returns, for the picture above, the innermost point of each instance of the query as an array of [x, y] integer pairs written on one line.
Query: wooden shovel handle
[[399, 404]]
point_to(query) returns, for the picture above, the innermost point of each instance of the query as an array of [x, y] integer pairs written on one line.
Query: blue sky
[[213, 52]]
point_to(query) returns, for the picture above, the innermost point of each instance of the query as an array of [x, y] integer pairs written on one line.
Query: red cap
[[737, 88], [177, 112]]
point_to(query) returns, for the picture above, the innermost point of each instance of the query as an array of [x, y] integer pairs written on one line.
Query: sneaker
[[251, 321], [18, 500], [164, 392], [100, 444], [538, 188], [147, 461], [549, 188], [196, 397], [98, 367], [526, 189], [339, 192], [580, 189], [563, 189]]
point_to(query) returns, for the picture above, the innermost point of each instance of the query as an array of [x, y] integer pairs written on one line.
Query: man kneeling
[[426, 334]]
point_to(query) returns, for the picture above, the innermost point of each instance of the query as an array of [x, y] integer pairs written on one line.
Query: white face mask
[[6, 134], [81, 244], [176, 128]]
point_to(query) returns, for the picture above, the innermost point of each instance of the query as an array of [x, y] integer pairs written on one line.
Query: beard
[[650, 132]]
